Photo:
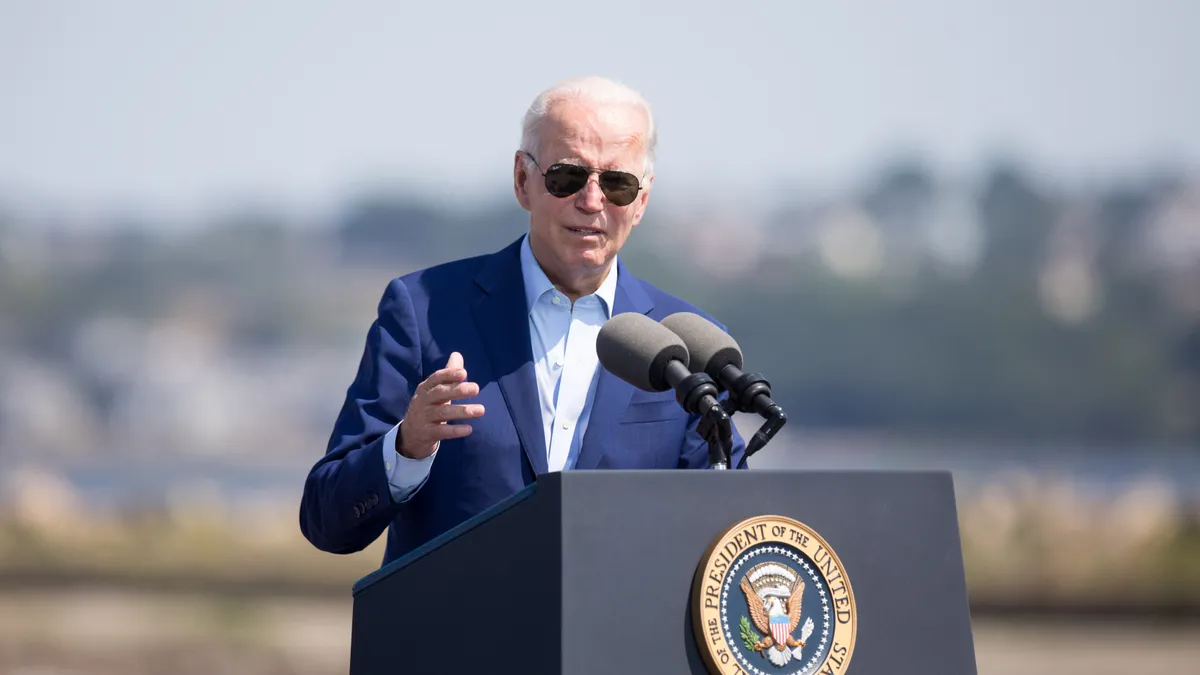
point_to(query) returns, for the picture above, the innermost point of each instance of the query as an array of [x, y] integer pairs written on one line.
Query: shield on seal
[[779, 629]]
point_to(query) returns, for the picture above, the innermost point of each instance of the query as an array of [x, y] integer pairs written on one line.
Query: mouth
[[585, 231]]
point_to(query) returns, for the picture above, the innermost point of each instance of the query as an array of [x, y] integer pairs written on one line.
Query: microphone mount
[[751, 393], [697, 393], [716, 428]]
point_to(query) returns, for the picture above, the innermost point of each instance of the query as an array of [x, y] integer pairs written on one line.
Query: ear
[[521, 180], [642, 200]]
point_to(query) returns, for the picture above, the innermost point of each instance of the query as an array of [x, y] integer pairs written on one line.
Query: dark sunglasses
[[564, 180]]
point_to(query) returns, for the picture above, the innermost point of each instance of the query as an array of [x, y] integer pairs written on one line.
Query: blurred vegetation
[[1066, 315], [199, 541], [1028, 543], [1046, 544]]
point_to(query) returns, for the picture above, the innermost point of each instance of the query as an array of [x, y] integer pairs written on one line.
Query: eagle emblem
[[773, 592]]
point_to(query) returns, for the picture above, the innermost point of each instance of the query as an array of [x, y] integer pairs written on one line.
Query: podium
[[589, 572]]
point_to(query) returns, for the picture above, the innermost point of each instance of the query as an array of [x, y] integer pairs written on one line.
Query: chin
[[595, 254], [583, 246]]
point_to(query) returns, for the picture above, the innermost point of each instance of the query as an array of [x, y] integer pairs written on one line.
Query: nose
[[590, 199]]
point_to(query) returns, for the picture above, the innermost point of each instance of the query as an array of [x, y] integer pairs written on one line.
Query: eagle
[[763, 610]]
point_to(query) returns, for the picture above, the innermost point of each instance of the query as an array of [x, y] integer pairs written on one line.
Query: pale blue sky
[[144, 105]]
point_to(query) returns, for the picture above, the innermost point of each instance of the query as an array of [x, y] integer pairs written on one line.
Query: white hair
[[597, 90]]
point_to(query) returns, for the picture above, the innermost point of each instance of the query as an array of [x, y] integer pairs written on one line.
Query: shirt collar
[[538, 284]]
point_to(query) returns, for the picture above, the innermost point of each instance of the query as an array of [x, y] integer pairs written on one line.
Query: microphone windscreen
[[637, 349], [710, 348]]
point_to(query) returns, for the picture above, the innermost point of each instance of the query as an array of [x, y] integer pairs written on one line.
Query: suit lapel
[[612, 393], [501, 316]]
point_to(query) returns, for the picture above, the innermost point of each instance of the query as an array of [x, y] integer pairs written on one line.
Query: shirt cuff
[[405, 475]]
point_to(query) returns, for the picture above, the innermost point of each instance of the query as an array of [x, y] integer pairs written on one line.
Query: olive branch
[[749, 637]]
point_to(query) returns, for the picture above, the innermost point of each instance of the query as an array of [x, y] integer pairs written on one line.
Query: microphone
[[716, 353], [647, 355]]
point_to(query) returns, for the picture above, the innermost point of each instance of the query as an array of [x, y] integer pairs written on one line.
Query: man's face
[[582, 233]]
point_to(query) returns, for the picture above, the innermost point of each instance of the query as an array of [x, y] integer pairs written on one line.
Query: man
[[420, 445]]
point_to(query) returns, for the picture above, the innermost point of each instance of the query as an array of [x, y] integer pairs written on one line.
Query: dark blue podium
[[682, 572]]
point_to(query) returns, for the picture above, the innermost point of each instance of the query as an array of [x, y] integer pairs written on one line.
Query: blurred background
[[955, 235]]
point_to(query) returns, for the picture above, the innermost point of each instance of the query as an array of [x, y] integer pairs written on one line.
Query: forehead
[[603, 136]]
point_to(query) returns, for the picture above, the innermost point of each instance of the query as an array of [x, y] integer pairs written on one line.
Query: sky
[[181, 109]]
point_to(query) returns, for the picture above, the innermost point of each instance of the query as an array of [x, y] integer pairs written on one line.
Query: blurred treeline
[[1005, 307]]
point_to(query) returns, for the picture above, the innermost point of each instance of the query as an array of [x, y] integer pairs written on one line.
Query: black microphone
[[646, 354], [715, 352]]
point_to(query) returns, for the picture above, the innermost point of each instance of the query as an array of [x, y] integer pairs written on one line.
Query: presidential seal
[[770, 597]]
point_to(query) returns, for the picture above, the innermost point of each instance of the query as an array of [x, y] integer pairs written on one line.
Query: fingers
[[444, 393], [451, 374], [449, 383], [450, 413], [448, 431], [431, 410], [444, 376]]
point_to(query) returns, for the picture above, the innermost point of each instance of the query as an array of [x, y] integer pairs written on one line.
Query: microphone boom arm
[[751, 393], [717, 429], [776, 418]]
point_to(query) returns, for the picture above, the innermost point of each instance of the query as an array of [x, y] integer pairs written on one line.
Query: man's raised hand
[[425, 422]]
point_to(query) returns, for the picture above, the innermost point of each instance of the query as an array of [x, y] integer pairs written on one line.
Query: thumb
[[455, 361]]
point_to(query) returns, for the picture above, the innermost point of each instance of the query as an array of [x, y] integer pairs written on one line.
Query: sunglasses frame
[[590, 171]]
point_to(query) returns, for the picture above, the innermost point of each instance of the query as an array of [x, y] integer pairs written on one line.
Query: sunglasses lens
[[621, 188], [564, 180]]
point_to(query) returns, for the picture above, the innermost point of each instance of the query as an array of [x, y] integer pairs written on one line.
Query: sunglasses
[[564, 180]]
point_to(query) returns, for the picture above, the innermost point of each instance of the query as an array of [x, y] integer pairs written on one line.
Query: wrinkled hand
[[425, 422]]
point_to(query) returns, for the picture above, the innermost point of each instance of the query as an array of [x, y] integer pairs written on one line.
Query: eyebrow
[[573, 159]]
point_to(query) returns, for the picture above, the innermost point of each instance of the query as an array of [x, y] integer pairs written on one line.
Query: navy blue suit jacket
[[476, 306]]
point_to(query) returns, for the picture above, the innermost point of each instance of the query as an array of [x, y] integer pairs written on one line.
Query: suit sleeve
[[347, 502]]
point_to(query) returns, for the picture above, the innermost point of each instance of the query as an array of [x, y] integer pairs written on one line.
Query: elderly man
[[420, 445]]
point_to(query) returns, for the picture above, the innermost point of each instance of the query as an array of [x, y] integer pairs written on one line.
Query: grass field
[[98, 632]]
